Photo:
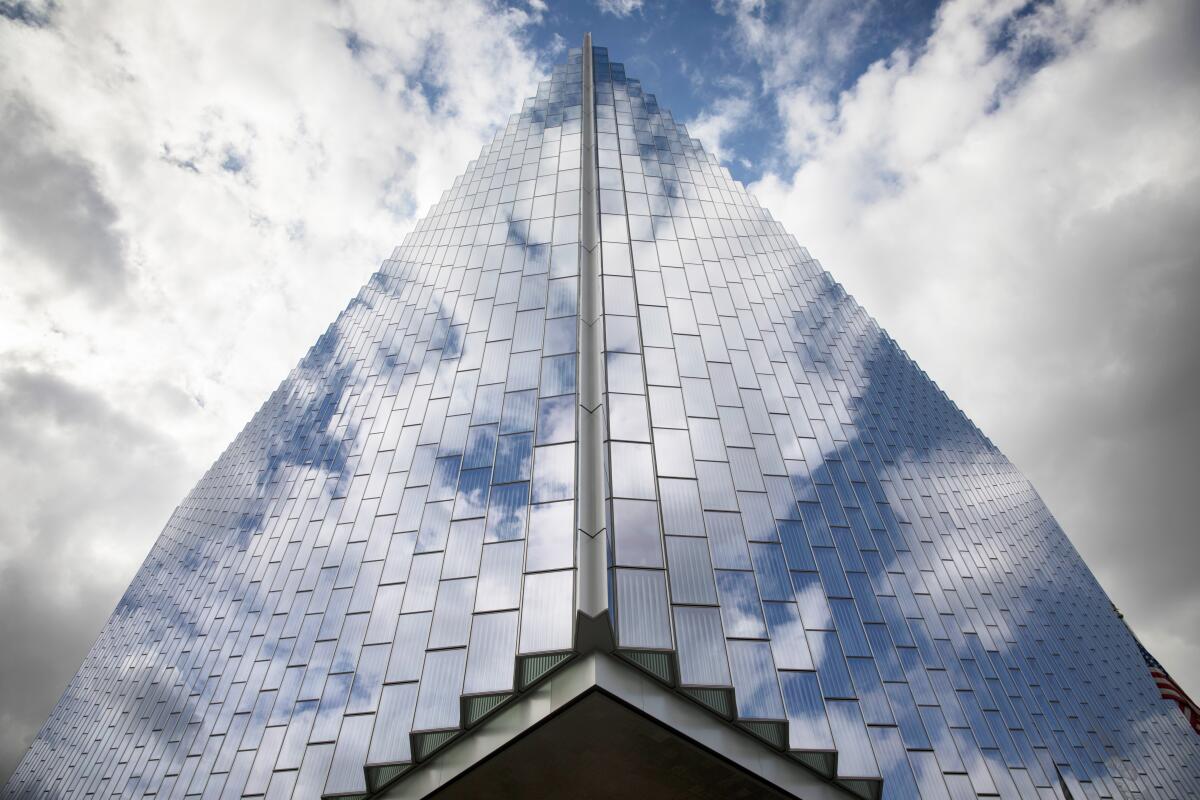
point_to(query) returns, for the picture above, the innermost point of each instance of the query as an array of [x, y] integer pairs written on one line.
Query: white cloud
[[53, 211], [714, 124], [808, 41], [802, 50], [190, 194], [619, 8], [1028, 232]]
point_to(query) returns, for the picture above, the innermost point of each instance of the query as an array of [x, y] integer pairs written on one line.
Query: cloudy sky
[[189, 193]]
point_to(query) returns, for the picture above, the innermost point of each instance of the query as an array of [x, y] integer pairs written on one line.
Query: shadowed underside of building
[[603, 486]]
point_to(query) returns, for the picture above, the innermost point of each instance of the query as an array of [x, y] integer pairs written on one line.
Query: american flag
[[1170, 690]]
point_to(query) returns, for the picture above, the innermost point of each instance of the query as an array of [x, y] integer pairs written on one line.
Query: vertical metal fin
[[593, 629]]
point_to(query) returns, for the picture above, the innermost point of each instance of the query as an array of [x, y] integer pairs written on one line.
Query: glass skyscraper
[[601, 484]]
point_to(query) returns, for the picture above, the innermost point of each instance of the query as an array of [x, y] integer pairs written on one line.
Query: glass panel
[[701, 645], [900, 701], [707, 442], [558, 376], [666, 407], [855, 757], [560, 336], [435, 524], [518, 412], [716, 486], [554, 473], [452, 615], [551, 543], [754, 680], [690, 571], [831, 664], [507, 512], [771, 571], [514, 458], [408, 649], [547, 612], [382, 624], [681, 507], [673, 453], [808, 728], [741, 611], [368, 678], [437, 697], [642, 619], [462, 549], [264, 761], [389, 741], [788, 643], [422, 583], [333, 704], [727, 541], [637, 540], [634, 477], [810, 597], [625, 373], [556, 420], [621, 335], [472, 497], [311, 780], [291, 752], [627, 418], [849, 626], [796, 551], [500, 576], [346, 773], [492, 653]]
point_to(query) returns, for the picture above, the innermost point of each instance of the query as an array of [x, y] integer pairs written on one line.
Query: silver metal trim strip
[[594, 629]]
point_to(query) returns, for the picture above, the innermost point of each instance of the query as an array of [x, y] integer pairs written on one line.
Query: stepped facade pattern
[[600, 400]]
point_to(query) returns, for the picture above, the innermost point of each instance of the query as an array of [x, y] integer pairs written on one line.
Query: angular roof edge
[[600, 672]]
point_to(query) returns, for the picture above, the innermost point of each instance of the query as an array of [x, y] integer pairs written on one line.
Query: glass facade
[[596, 335]]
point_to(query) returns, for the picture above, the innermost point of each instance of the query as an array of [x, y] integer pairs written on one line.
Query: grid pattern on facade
[[805, 535], [388, 533], [813, 527]]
